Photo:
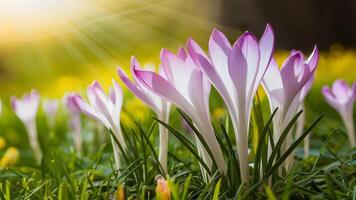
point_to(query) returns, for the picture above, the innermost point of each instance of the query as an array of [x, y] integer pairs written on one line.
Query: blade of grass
[[256, 168], [217, 190], [281, 139], [291, 148], [189, 121], [187, 143], [158, 164]]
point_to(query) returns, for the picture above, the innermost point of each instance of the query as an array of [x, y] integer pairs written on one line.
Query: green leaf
[[281, 139], [187, 143], [291, 148], [217, 190], [256, 168], [269, 193]]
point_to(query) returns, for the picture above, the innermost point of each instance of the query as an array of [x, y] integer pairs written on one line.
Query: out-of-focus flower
[[26, 110], [10, 157], [286, 88], [137, 109], [105, 109], [342, 98], [50, 107], [236, 72], [74, 120], [159, 105], [218, 113], [186, 87], [2, 143], [163, 192], [0, 107]]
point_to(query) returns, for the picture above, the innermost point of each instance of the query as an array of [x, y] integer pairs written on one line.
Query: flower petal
[[163, 88], [266, 45], [330, 98], [204, 63], [250, 48], [340, 90], [273, 85], [313, 59], [117, 93], [135, 89], [238, 71]]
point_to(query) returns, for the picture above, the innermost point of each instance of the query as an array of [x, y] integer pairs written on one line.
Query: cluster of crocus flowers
[[184, 79], [26, 110], [160, 106], [105, 109], [342, 98], [74, 119], [286, 89]]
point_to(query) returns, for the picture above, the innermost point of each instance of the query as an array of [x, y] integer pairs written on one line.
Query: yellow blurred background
[[59, 46]]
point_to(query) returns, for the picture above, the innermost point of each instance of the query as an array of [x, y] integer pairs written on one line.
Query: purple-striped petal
[[238, 71], [135, 89], [250, 49], [163, 88]]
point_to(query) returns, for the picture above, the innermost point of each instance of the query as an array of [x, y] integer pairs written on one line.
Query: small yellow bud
[[120, 194], [10, 157], [163, 191]]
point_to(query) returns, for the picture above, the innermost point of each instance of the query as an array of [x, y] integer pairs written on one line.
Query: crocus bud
[[105, 108], [26, 110], [160, 106], [163, 192], [120, 193], [74, 120], [342, 98], [50, 107]]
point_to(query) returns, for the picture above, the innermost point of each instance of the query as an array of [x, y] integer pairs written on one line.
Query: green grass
[[329, 173]]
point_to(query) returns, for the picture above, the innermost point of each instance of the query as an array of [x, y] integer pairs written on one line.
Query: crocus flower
[[342, 98], [105, 109], [155, 102], [301, 120], [286, 89], [26, 110], [236, 72], [74, 119], [50, 107], [187, 88]]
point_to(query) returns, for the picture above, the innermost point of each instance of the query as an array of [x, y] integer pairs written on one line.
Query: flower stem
[[33, 137], [349, 124], [163, 143]]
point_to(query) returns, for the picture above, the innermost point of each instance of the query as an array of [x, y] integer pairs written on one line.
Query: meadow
[[103, 112]]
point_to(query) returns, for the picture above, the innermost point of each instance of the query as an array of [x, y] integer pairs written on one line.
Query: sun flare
[[23, 20]]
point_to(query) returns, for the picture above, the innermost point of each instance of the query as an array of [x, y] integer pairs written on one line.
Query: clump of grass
[[64, 174]]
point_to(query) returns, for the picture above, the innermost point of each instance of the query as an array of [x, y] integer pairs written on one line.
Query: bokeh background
[[58, 46]]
